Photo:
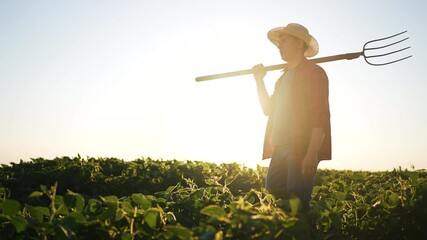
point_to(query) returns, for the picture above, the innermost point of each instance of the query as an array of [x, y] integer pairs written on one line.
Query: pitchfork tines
[[394, 53]]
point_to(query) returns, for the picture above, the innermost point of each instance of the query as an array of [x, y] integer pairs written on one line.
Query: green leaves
[[38, 213], [11, 210], [148, 199], [214, 211], [75, 202], [295, 203], [393, 199], [143, 201], [10, 207], [152, 218], [35, 194], [178, 231], [19, 223]]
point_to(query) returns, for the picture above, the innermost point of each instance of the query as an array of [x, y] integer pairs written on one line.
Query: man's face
[[289, 47]]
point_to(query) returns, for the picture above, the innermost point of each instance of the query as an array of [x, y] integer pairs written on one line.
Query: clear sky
[[116, 79]]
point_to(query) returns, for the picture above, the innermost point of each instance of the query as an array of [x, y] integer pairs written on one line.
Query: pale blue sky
[[116, 79]]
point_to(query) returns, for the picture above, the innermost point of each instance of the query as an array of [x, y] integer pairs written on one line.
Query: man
[[298, 132]]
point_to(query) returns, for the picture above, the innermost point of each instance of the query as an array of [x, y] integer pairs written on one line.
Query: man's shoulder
[[312, 68]]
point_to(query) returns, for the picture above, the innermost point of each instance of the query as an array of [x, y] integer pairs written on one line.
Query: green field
[[107, 198]]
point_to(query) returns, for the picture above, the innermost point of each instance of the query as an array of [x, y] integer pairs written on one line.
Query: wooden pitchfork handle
[[348, 56]]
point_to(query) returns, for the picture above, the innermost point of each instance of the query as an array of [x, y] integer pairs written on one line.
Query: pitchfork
[[367, 48]]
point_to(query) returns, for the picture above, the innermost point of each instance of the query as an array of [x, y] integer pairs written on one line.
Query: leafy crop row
[[106, 198]]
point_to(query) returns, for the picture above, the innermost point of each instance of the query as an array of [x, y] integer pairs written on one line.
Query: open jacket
[[309, 96]]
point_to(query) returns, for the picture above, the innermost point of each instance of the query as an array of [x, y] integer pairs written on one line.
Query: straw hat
[[298, 31]]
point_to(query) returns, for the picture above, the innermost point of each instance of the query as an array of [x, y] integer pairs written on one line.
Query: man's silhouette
[[298, 132]]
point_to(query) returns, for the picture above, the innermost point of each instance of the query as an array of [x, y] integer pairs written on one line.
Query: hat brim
[[312, 44]]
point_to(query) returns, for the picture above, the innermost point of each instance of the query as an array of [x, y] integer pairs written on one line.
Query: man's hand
[[309, 165], [259, 72], [310, 161]]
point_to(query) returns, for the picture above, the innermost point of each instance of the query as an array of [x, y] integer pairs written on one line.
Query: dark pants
[[284, 176]]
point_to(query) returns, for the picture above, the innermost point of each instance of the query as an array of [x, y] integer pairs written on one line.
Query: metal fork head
[[388, 50]]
